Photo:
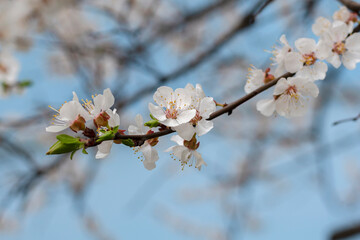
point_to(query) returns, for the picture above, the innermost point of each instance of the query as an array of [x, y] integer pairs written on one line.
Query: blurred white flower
[[290, 97]]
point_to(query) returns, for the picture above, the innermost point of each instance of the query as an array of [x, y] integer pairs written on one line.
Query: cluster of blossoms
[[337, 44], [187, 111], [184, 110]]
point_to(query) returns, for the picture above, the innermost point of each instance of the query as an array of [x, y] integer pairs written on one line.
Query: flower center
[[339, 48], [292, 91], [197, 118], [309, 59], [352, 18], [3, 68], [172, 111], [268, 77]]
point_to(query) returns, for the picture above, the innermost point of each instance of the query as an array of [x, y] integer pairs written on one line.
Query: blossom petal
[[186, 116], [157, 112], [305, 45], [352, 43], [293, 62], [163, 95], [334, 60], [266, 106], [207, 107], [185, 131], [56, 128], [199, 160], [104, 149], [281, 86], [203, 127]]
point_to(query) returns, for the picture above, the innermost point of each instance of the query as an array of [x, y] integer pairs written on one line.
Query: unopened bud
[[101, 120]]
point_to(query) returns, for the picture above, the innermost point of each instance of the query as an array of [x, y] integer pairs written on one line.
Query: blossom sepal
[[152, 123], [108, 135]]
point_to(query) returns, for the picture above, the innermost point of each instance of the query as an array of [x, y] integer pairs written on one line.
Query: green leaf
[[152, 123], [84, 151], [67, 139], [61, 147], [152, 117], [72, 154], [106, 136], [128, 142], [25, 83]]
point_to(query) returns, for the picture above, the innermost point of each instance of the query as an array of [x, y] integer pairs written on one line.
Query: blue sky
[[130, 201]]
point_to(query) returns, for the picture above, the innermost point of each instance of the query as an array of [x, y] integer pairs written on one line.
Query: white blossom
[[290, 97], [186, 152], [286, 59], [342, 48], [104, 148], [311, 52], [150, 154], [204, 107], [174, 107], [257, 78], [71, 114], [321, 26]]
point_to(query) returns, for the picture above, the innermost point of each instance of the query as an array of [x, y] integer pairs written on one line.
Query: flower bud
[[78, 124], [101, 120]]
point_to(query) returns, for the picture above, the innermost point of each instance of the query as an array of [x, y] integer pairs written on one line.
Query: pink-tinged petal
[[352, 43], [207, 107], [185, 131], [109, 99], [163, 95], [266, 107], [281, 86], [334, 60], [157, 112], [199, 160], [186, 116], [56, 128], [305, 45], [177, 139], [203, 127], [103, 149], [293, 62]]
